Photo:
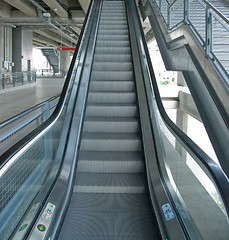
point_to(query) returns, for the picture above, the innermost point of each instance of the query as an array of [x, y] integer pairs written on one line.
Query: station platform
[[16, 100]]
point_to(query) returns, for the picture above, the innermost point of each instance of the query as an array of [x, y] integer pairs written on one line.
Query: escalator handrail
[[6, 156], [217, 174]]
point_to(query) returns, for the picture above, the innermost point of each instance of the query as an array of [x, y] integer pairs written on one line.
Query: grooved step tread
[[110, 136], [110, 202], [111, 156], [110, 179], [109, 226]]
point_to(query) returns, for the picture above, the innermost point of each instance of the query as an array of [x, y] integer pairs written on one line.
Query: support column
[[182, 123], [65, 60], [1, 47], [180, 80], [22, 49]]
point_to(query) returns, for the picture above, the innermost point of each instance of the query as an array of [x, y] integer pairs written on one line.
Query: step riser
[[120, 111], [110, 76], [113, 44], [106, 66], [112, 127], [111, 86], [112, 58], [113, 38], [110, 166], [107, 50], [115, 189], [111, 98], [110, 145]]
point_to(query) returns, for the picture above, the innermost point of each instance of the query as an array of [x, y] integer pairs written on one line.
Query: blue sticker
[[168, 212]]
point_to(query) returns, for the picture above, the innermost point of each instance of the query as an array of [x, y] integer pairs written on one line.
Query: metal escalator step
[[111, 110], [111, 97], [112, 66], [113, 32], [112, 86], [110, 166], [112, 23], [114, 50], [112, 156], [113, 27], [112, 75], [103, 225], [110, 142], [110, 202], [112, 58], [110, 183], [113, 38], [112, 44], [113, 18], [106, 124]]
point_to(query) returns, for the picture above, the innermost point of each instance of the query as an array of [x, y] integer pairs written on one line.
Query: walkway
[[16, 100]]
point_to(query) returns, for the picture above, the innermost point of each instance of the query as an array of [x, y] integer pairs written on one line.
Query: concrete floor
[[16, 100]]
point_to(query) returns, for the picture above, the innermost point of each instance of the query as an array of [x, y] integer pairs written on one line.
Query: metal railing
[[14, 79], [50, 72], [209, 25], [15, 128]]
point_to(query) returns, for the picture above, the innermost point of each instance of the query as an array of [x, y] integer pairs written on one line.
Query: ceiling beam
[[41, 39], [54, 37], [23, 7], [57, 8], [76, 29], [5, 10], [84, 4]]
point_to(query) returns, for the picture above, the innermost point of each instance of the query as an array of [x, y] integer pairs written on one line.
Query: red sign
[[65, 49]]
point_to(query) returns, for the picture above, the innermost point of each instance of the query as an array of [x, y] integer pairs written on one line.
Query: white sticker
[[48, 212], [168, 212]]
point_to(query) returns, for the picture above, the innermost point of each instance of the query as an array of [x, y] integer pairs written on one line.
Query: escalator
[[110, 197], [98, 167]]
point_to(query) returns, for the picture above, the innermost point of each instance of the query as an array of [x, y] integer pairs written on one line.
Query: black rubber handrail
[[217, 174], [5, 157]]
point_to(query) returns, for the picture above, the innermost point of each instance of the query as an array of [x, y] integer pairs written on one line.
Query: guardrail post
[[14, 80], [3, 81], [186, 11], [22, 78], [29, 77], [208, 31]]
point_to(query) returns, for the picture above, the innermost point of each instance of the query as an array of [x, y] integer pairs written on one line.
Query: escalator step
[[111, 110], [112, 58], [110, 202], [113, 38], [114, 50], [111, 97], [110, 142], [110, 166], [111, 156], [113, 66], [112, 75], [112, 32], [110, 183], [112, 86], [106, 124], [112, 44]]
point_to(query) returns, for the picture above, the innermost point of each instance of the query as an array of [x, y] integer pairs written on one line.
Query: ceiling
[[54, 23]]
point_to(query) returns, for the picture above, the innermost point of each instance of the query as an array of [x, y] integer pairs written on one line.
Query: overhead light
[[55, 9], [72, 34], [46, 14]]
